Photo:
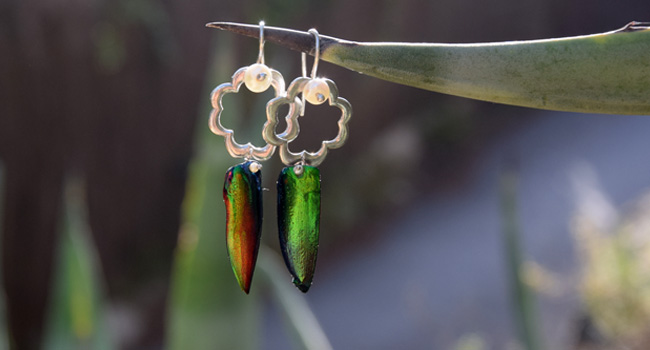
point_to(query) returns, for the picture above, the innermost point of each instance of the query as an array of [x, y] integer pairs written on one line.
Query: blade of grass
[[523, 298], [206, 308], [77, 316], [302, 320]]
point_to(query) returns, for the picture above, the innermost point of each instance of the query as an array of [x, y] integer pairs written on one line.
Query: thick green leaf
[[602, 73]]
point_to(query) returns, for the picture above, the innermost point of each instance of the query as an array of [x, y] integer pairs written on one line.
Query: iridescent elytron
[[242, 193], [299, 182], [299, 221]]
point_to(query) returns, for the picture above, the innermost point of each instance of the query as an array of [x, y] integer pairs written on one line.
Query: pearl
[[316, 91], [257, 77], [255, 167]]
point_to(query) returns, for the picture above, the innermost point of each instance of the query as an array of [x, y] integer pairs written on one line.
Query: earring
[[242, 191], [299, 191]]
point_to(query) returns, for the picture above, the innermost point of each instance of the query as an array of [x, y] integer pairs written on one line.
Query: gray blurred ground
[[382, 300]]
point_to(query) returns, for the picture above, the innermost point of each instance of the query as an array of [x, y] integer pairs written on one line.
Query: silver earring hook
[[314, 68], [260, 57], [303, 57]]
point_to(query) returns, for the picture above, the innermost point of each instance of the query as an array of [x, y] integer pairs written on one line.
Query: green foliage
[[77, 317], [523, 298], [615, 283], [470, 342], [110, 48], [207, 308], [306, 331]]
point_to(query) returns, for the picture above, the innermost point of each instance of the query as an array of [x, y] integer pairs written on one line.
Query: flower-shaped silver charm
[[296, 87], [247, 150]]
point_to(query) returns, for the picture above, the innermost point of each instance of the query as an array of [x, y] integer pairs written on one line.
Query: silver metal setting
[[293, 128], [296, 87], [312, 158], [248, 150], [303, 59], [260, 56], [235, 149], [314, 67]]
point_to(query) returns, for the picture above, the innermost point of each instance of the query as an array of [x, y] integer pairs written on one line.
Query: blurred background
[[446, 223]]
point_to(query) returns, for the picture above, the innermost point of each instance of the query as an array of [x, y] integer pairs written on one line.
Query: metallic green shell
[[299, 222]]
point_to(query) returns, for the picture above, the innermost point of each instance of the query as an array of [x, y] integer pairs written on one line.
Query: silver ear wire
[[303, 58], [314, 67], [315, 91], [260, 57], [257, 78]]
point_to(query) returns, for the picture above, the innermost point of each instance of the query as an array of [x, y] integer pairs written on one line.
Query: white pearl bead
[[254, 167], [317, 91], [298, 170], [257, 77]]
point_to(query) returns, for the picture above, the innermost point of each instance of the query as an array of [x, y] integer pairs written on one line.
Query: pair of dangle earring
[[299, 183]]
